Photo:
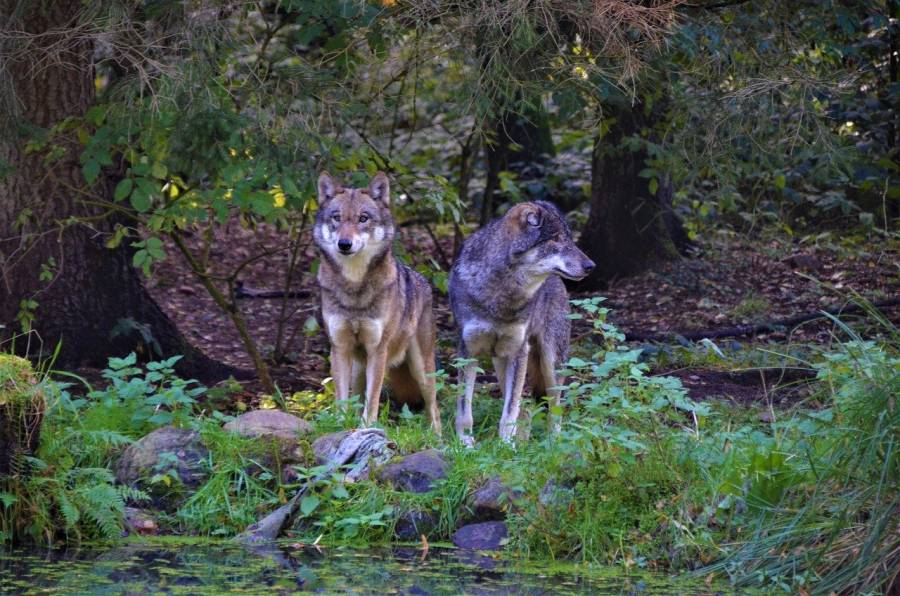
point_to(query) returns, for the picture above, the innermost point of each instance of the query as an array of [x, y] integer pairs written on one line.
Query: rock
[[413, 523], [557, 494], [493, 500], [140, 521], [165, 450], [484, 536], [279, 433], [415, 473], [766, 416], [270, 423], [326, 446]]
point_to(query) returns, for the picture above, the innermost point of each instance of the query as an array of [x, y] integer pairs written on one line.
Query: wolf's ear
[[380, 188], [327, 187], [526, 215]]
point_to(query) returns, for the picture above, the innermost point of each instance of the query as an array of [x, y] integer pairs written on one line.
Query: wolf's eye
[[363, 218], [336, 217]]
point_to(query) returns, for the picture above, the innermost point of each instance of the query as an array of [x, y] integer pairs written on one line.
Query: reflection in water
[[217, 568]]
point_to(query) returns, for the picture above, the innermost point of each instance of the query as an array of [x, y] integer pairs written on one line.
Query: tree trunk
[[628, 228], [519, 139], [51, 242]]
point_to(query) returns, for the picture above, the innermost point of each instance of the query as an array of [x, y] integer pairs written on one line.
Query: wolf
[[376, 310], [509, 302]]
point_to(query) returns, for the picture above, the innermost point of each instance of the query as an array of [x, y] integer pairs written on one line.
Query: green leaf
[[159, 170], [308, 504], [653, 186], [123, 189], [780, 181], [140, 200], [91, 170]]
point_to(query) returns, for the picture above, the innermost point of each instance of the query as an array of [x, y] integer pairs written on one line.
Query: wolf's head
[[354, 225], [541, 243]]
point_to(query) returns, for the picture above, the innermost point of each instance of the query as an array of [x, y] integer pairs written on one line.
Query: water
[[217, 569]]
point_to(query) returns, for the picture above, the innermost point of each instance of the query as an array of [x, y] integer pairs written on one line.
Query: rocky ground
[[281, 439]]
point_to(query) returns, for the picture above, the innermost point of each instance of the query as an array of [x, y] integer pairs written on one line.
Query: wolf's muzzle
[[345, 246]]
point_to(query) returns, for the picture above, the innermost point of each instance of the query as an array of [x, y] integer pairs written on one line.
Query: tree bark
[[45, 224], [628, 228]]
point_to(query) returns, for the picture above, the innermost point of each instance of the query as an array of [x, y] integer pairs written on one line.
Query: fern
[[104, 506], [67, 508]]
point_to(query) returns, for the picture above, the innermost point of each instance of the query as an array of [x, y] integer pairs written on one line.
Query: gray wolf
[[376, 310], [510, 303]]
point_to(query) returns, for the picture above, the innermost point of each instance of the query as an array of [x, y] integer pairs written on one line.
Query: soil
[[731, 281]]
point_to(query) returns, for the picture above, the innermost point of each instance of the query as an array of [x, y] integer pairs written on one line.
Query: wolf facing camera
[[376, 310], [510, 303]]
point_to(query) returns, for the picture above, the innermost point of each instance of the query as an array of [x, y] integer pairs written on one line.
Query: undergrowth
[[640, 475]]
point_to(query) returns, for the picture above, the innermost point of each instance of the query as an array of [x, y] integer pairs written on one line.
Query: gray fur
[[510, 303]]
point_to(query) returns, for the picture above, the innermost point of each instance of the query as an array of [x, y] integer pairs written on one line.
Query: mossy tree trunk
[[629, 228], [52, 255]]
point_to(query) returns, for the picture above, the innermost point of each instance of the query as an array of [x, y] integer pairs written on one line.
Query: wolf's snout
[[345, 245], [588, 266]]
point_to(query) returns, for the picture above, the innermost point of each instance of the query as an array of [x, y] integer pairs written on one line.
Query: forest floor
[[731, 280]]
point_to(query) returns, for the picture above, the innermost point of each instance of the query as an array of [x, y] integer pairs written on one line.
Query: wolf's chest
[[355, 330], [496, 339]]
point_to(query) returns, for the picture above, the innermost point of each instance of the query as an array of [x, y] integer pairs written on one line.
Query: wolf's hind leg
[[464, 406], [512, 394], [500, 369], [420, 361], [358, 379], [551, 381]]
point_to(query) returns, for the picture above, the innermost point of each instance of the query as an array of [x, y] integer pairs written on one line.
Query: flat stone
[[269, 423], [279, 435], [483, 536], [415, 473]]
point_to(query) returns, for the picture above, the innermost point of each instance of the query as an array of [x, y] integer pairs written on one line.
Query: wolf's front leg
[[375, 366], [464, 405], [341, 372], [512, 393]]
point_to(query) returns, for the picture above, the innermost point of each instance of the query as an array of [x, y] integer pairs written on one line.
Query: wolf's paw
[[468, 441]]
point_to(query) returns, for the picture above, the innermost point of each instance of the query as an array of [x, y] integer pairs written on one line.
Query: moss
[[16, 379], [21, 411]]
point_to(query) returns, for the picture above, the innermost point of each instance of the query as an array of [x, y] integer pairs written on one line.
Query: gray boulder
[[484, 536], [176, 452], [415, 473], [493, 500]]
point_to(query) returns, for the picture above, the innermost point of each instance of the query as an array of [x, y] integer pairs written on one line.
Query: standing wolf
[[510, 303], [377, 311]]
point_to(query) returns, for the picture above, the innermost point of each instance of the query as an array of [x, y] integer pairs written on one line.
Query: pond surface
[[217, 569]]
